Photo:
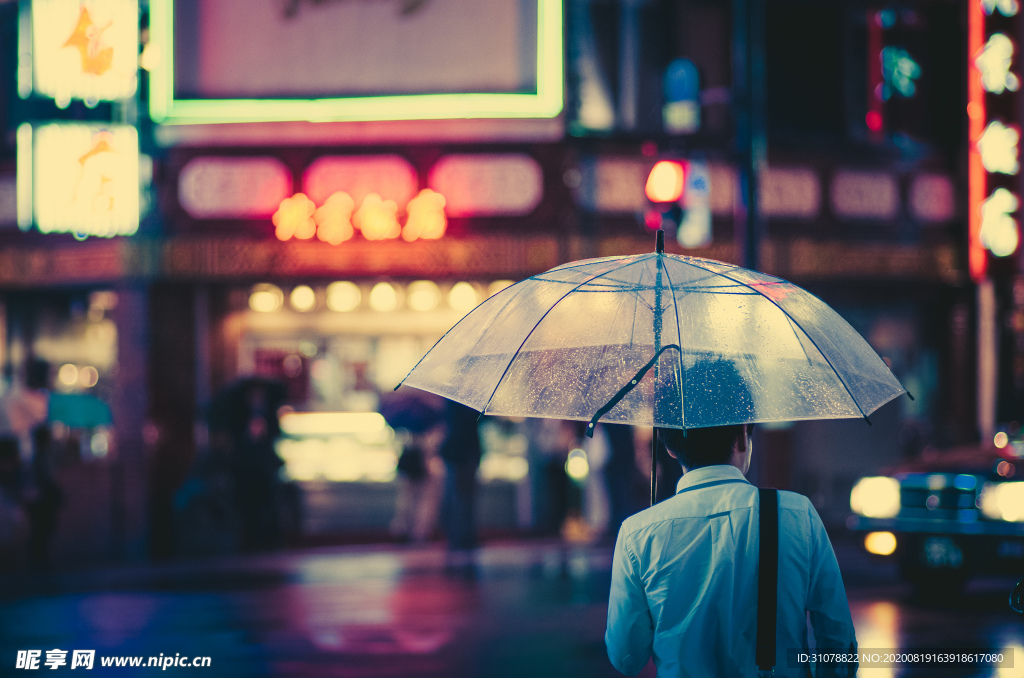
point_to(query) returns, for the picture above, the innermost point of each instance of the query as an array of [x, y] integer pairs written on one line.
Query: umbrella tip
[[659, 246]]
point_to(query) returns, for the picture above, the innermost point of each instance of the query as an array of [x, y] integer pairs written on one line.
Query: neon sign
[[541, 99], [994, 146], [337, 220], [77, 178], [80, 49]]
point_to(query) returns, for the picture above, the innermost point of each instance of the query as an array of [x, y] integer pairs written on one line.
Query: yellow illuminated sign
[[338, 219], [77, 178], [80, 49]]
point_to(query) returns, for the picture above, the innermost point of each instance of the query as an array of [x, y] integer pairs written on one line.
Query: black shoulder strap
[[767, 578]]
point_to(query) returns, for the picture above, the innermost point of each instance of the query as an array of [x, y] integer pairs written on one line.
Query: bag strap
[[767, 579]]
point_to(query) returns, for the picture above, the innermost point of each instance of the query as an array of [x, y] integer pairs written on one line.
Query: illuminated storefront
[[337, 347]]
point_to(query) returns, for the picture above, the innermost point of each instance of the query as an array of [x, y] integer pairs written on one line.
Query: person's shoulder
[[648, 517], [794, 501]]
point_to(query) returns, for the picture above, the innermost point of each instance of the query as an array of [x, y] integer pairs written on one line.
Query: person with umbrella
[[632, 340], [418, 420], [685, 571]]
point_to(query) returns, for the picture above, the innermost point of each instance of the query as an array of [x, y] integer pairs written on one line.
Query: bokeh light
[[343, 296], [383, 297], [665, 182], [67, 375], [303, 298], [463, 297], [422, 295], [880, 543], [266, 298], [88, 376]]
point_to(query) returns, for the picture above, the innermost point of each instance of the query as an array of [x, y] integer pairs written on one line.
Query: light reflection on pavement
[[535, 609]]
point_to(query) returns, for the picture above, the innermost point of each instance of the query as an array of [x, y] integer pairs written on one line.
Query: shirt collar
[[709, 473]]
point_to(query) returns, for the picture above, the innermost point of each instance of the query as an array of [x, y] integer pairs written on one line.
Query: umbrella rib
[[636, 305], [539, 321], [794, 327], [679, 358], [796, 324]]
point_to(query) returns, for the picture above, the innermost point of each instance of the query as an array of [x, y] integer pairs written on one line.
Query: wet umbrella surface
[[657, 339]]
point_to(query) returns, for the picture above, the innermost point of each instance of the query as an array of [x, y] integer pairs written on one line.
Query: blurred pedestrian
[[685, 571], [547, 445], [621, 476], [418, 419], [420, 481], [13, 521], [28, 411], [244, 419], [44, 499], [460, 452]]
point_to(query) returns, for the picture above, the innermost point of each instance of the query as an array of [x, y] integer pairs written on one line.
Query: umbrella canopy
[[657, 339]]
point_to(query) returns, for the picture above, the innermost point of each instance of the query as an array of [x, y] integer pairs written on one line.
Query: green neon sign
[[546, 102]]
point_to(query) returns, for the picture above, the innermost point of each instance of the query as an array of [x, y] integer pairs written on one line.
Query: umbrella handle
[[626, 389], [654, 466]]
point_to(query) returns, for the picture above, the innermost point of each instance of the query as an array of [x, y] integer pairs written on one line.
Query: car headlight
[[876, 497], [1003, 501]]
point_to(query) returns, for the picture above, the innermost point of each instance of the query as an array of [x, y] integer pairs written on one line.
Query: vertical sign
[[992, 109]]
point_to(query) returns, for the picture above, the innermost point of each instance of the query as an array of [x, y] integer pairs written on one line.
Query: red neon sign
[[977, 257]]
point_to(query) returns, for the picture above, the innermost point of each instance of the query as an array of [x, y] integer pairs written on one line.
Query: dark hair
[[697, 447], [717, 393]]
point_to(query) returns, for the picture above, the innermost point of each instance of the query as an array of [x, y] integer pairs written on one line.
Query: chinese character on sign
[[334, 218], [1005, 7], [377, 218], [82, 659], [899, 70], [994, 64], [55, 658], [295, 218], [426, 216], [87, 38], [999, 229], [998, 148], [28, 659]]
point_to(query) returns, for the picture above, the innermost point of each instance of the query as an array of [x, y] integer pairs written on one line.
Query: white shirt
[[684, 582]]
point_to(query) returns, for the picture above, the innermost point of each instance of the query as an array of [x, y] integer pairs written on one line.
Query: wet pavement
[[533, 609]]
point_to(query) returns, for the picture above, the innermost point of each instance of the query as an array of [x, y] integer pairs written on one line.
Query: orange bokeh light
[[665, 182], [426, 217], [294, 218], [377, 218], [334, 218]]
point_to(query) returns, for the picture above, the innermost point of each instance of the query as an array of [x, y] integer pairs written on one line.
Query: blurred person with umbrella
[[417, 418], [620, 339]]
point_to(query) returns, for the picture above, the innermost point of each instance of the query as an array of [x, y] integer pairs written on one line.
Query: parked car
[[947, 516]]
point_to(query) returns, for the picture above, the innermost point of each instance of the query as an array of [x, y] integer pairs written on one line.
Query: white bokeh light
[[998, 148]]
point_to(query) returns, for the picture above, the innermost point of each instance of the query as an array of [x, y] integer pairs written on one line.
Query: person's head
[[717, 392], [710, 446]]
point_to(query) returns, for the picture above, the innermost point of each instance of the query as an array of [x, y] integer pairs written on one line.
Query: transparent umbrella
[[657, 340]]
